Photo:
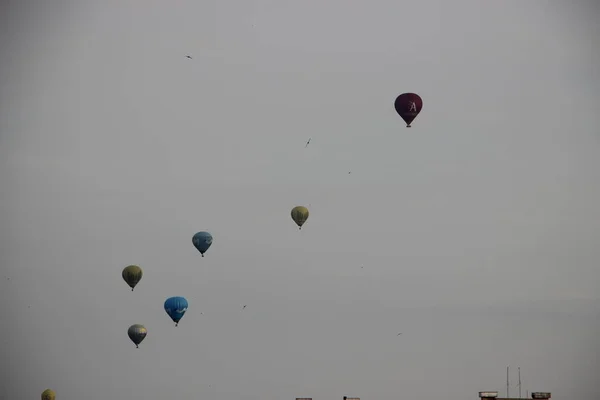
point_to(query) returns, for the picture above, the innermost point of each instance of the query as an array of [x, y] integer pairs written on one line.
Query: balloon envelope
[[408, 106], [300, 215], [132, 275], [176, 308], [48, 394], [137, 333], [202, 241]]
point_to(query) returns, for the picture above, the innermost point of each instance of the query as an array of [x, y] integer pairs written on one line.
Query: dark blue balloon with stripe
[[176, 308], [202, 241]]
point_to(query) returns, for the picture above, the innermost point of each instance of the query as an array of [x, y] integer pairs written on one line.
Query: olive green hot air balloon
[[132, 275], [137, 333], [48, 394], [299, 215]]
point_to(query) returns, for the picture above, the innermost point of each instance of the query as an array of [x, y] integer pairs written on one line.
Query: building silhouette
[[534, 395]]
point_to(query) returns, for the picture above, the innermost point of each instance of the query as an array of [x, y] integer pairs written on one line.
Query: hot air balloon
[[48, 394], [202, 241], [299, 215], [408, 106], [137, 333], [132, 275], [176, 308]]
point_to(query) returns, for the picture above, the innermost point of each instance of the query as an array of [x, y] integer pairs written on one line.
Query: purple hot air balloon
[[408, 106]]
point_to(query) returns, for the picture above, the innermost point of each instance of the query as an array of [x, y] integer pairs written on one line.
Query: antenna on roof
[[519, 382], [507, 384]]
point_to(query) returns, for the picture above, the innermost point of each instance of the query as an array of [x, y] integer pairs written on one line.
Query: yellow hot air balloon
[[299, 215], [48, 394], [132, 275]]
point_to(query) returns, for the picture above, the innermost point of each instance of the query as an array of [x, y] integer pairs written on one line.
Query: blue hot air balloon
[[202, 241], [176, 308]]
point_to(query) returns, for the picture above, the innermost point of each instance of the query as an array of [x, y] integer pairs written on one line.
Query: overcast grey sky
[[477, 229]]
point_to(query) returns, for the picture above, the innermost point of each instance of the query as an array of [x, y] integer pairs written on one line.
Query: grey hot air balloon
[[137, 333]]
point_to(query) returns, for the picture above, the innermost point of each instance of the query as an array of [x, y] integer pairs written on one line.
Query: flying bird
[[307, 143], [244, 307], [399, 334], [190, 57]]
